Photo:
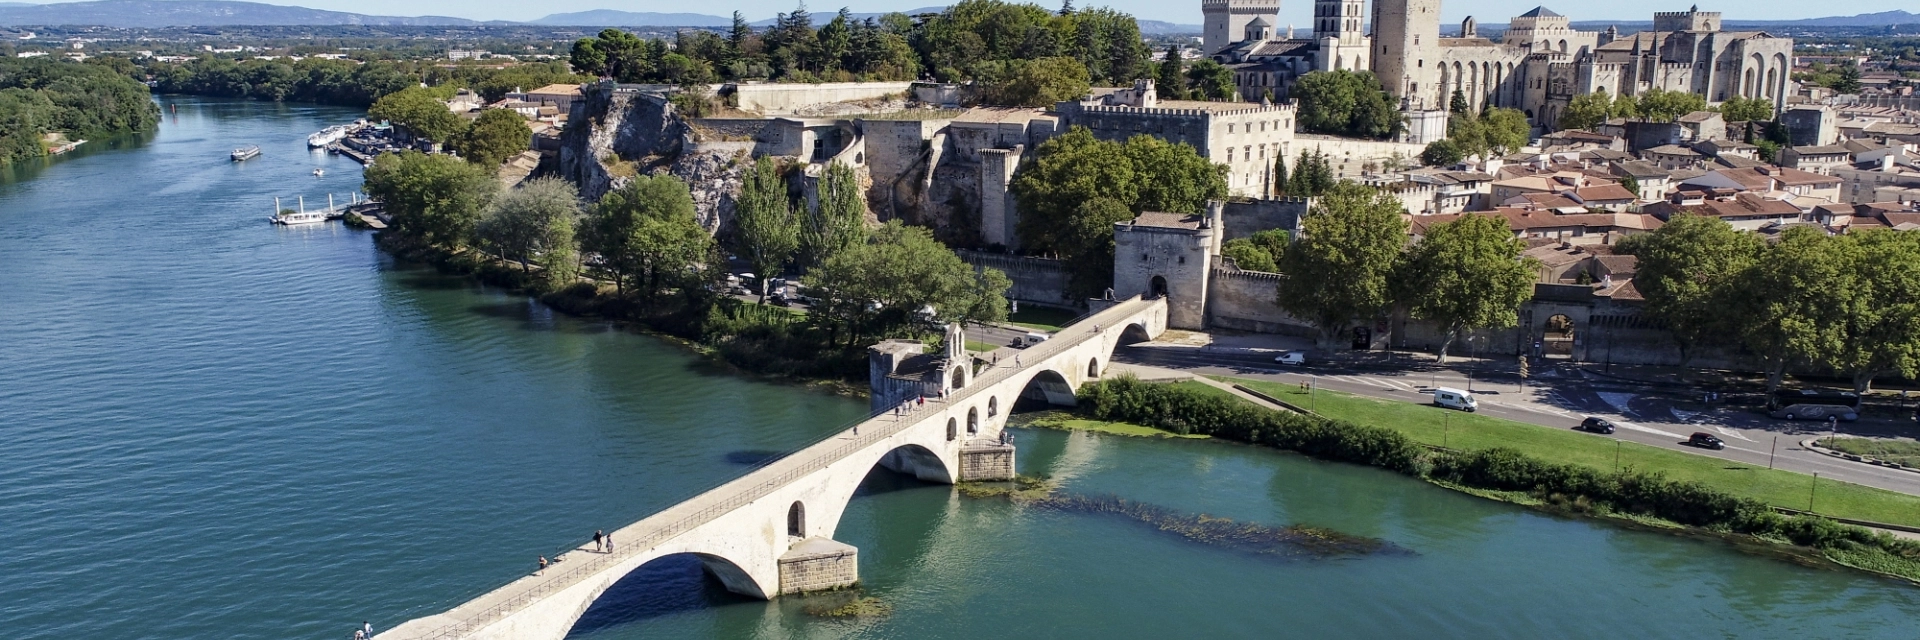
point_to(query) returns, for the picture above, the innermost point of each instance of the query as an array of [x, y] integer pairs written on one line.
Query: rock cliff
[[614, 135]]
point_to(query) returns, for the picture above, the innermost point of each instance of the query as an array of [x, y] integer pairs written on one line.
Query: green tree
[[1492, 133], [1684, 271], [885, 285], [1258, 252], [1341, 269], [840, 219], [1039, 83], [1458, 103], [1467, 274], [766, 234], [1881, 311], [433, 200], [1738, 109], [646, 234], [534, 223], [1587, 110], [1442, 153], [1279, 174], [1661, 105], [1848, 79], [1785, 305], [1312, 175], [1213, 81], [421, 112], [497, 135], [1170, 80], [1058, 189], [1346, 103]]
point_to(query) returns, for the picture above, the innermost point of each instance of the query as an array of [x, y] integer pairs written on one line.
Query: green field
[[1431, 425], [981, 347], [1905, 452]]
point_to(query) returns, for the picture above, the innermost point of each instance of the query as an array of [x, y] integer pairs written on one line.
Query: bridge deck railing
[[756, 483]]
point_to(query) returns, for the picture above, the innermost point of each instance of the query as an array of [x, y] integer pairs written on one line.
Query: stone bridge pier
[[770, 532]]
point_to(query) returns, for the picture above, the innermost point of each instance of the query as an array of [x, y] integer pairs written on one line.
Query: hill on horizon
[[194, 13]]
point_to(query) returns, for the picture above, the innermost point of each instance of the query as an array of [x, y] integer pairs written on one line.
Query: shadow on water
[[669, 585]]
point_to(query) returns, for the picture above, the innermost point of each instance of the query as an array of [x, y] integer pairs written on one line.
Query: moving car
[[1032, 338], [1291, 357], [1455, 399], [1706, 440], [1596, 425]]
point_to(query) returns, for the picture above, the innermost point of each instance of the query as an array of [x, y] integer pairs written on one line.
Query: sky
[[1297, 12]]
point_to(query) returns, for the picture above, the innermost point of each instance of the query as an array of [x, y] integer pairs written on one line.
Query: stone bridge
[[770, 532]]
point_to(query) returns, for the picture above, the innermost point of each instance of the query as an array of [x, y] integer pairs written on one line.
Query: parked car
[[1596, 425], [1706, 440], [1455, 399], [1291, 357]]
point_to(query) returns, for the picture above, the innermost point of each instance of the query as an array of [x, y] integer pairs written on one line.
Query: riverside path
[[769, 532]]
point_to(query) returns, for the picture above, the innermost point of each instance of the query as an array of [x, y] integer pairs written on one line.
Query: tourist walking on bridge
[[598, 540], [366, 628], [543, 566], [609, 543]]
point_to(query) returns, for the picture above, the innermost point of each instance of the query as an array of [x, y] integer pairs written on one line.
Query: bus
[[1814, 404]]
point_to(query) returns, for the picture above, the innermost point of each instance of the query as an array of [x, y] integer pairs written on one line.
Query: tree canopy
[[1494, 132], [1661, 105], [971, 40], [433, 200], [1258, 252], [39, 96], [1342, 267], [898, 281], [1348, 103], [422, 112], [839, 221], [1682, 271], [498, 134], [1035, 83], [646, 235], [1058, 187], [766, 234], [534, 223], [1467, 274]]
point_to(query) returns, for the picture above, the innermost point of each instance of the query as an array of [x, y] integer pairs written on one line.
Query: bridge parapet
[[730, 526]]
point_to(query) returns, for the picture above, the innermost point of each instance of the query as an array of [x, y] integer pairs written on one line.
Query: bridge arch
[[1135, 333], [1049, 386], [959, 377]]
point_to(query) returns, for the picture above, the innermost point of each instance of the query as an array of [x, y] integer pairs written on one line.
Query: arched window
[[953, 429], [973, 421], [1093, 368], [797, 520], [993, 409]]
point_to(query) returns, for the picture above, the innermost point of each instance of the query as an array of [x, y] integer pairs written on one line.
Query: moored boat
[[243, 154]]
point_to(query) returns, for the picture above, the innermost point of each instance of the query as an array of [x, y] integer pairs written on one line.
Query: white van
[[1454, 399], [1291, 357], [1032, 338]]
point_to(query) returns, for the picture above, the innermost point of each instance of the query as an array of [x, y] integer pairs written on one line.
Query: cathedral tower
[[1226, 20], [1406, 50]]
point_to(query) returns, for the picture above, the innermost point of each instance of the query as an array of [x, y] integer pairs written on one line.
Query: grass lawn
[[1905, 452], [1432, 425], [981, 347], [1042, 318], [1067, 420]]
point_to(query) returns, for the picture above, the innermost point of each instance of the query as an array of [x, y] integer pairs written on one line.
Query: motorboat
[[243, 154], [328, 136], [319, 172]]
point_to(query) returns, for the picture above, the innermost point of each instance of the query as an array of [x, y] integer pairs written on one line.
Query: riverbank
[[771, 344], [1647, 498]]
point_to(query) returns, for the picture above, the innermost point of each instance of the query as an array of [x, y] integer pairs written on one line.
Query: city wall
[[784, 99]]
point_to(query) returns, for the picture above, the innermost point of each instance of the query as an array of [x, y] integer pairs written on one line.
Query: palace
[[1537, 66]]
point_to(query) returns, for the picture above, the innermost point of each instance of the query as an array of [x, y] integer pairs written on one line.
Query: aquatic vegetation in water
[[1293, 541], [1297, 541], [867, 607]]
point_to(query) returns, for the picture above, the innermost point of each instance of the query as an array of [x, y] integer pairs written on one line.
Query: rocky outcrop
[[615, 134]]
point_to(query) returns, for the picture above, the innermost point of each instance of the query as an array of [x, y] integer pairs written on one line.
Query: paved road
[[1643, 414]]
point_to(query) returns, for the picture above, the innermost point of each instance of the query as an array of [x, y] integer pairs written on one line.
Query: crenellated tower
[[1340, 20], [1226, 20], [1406, 50]]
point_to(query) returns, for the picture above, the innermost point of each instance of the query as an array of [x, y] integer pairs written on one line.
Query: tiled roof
[[1606, 192], [1541, 12]]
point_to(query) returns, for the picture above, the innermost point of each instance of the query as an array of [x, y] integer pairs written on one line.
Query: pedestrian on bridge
[[359, 635], [609, 543], [543, 566], [598, 537], [366, 627]]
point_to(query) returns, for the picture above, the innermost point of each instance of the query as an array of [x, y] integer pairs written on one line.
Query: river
[[220, 428]]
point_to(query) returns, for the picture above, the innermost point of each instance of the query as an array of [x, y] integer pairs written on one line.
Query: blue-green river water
[[211, 427]]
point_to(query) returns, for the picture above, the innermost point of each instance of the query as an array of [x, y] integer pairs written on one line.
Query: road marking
[[1683, 416], [1401, 385], [1617, 400], [1731, 433], [1642, 429]]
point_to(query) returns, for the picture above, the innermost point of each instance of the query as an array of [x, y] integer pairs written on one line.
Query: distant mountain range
[[190, 13], [183, 13]]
